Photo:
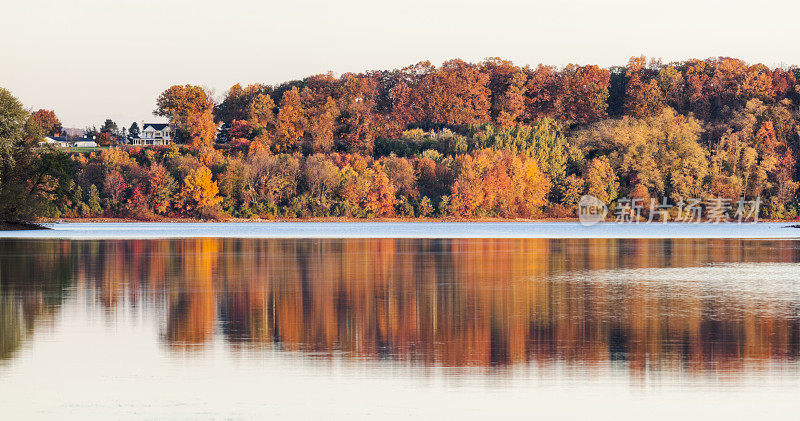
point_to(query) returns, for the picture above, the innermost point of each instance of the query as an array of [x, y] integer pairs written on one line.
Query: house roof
[[57, 138], [157, 126]]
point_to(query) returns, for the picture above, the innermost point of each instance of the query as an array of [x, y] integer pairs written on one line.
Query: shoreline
[[294, 220], [22, 226], [343, 220]]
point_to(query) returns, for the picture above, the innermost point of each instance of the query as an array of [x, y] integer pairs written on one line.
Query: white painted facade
[[61, 142], [153, 134], [55, 141]]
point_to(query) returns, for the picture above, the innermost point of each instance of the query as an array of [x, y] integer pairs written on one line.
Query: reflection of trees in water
[[191, 296], [12, 330], [34, 277], [451, 302]]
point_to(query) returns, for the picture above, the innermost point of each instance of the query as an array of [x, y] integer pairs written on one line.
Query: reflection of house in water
[[153, 134]]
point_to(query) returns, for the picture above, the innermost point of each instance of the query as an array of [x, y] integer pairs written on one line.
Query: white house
[[84, 143], [153, 134], [56, 141], [63, 142]]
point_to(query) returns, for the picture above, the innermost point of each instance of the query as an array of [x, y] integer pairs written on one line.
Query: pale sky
[[92, 59]]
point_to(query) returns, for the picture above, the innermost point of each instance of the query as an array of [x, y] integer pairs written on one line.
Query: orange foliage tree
[[643, 96], [498, 184], [290, 123], [190, 111]]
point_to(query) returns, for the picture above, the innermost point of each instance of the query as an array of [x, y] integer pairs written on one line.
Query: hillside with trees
[[462, 140]]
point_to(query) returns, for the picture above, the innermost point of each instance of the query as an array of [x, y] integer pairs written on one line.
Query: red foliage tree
[[46, 122]]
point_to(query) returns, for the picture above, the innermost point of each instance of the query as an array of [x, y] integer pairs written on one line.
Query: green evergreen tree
[[93, 200]]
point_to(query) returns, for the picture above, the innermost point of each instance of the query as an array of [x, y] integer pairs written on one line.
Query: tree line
[[487, 139]]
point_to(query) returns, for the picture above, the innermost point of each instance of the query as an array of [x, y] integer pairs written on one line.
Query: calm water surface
[[507, 229], [395, 328]]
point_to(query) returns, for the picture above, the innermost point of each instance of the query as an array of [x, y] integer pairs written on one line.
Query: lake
[[179, 326]]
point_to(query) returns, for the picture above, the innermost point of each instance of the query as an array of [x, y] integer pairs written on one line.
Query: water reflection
[[657, 305]]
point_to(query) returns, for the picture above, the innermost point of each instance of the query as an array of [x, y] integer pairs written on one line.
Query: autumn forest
[[462, 140]]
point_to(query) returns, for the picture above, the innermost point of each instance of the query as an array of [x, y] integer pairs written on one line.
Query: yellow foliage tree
[[201, 192], [532, 186], [261, 114], [601, 182]]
